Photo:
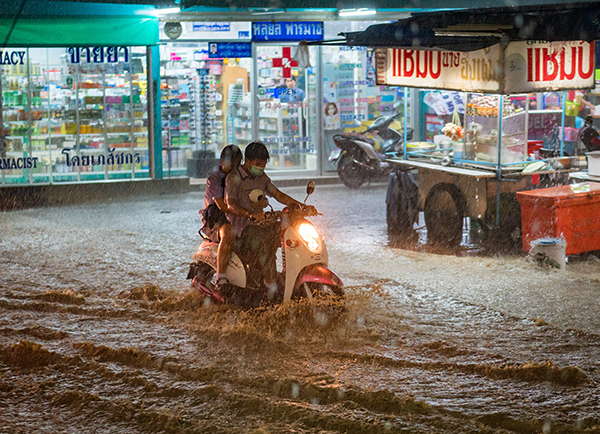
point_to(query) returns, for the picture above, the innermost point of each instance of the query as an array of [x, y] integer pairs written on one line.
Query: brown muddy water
[[100, 333]]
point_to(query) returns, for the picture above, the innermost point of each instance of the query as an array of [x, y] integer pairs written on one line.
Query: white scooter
[[305, 270]]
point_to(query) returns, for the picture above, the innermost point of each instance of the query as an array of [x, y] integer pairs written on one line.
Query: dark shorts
[[258, 246]]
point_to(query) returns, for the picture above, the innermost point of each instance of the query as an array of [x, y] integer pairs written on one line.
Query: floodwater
[[100, 333]]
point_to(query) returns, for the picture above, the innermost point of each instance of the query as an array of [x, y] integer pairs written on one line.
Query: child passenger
[[215, 224]]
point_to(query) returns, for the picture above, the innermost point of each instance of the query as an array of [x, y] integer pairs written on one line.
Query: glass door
[[287, 112]]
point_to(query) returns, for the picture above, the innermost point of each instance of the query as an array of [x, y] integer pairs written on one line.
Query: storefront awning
[[82, 31], [475, 29], [60, 24]]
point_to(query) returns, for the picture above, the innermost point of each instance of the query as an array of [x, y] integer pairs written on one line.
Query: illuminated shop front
[[75, 100], [74, 114], [232, 83]]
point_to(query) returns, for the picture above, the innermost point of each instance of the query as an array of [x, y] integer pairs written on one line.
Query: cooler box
[[571, 212]]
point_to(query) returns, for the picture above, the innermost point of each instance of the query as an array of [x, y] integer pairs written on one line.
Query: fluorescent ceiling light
[[357, 12], [167, 11], [266, 11]]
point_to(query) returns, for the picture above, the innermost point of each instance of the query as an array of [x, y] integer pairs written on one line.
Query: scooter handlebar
[[294, 211]]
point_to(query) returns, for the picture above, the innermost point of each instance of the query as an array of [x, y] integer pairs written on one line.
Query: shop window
[[205, 106], [77, 114], [287, 115], [351, 99]]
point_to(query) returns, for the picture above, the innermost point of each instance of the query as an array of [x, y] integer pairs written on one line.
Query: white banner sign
[[528, 66], [540, 66]]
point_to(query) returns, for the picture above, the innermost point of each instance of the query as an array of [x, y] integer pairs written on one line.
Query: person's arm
[[283, 198], [220, 201]]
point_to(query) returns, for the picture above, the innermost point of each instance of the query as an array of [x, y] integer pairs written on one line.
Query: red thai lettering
[[537, 64], [435, 75], [549, 58], [530, 61], [423, 59], [408, 57], [563, 64], [590, 70]]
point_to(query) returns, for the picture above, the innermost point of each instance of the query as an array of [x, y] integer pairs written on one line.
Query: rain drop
[[321, 319], [295, 390]]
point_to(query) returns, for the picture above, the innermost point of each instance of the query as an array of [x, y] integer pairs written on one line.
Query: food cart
[[478, 172]]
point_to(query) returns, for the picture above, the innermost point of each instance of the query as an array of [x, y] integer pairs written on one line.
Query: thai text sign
[[97, 54], [521, 67], [218, 50], [287, 31]]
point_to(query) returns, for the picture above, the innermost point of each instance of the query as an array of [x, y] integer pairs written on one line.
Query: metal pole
[[254, 93], [155, 169], [562, 124], [499, 165], [321, 157], [405, 116]]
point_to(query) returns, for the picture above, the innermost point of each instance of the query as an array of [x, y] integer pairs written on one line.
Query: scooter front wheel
[[315, 290]]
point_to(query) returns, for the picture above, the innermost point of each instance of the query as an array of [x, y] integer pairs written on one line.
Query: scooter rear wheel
[[352, 174]]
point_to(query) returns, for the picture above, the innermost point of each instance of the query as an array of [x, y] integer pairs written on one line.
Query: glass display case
[[492, 120], [74, 117]]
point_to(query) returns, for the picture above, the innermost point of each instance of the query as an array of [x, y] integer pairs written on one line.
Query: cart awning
[[474, 29]]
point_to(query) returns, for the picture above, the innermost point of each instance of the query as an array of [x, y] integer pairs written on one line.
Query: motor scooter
[[305, 270], [358, 161]]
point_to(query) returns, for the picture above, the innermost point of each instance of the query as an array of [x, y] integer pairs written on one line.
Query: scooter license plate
[[335, 154]]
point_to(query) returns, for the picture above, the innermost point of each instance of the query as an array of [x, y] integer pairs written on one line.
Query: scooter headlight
[[310, 236]]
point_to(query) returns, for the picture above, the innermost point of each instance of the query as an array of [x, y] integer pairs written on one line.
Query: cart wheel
[[507, 236], [352, 175], [399, 218], [444, 211]]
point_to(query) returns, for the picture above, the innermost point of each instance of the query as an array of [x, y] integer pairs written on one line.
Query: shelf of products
[[178, 112], [78, 122], [210, 98], [280, 127]]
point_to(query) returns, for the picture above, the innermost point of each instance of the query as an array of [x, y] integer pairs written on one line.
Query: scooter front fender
[[318, 273]]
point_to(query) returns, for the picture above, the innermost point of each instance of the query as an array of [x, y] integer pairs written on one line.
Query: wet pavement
[[100, 332]]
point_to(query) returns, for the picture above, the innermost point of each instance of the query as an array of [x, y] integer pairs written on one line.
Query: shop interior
[[75, 114]]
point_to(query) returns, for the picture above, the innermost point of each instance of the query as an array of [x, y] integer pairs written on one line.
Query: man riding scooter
[[250, 179]]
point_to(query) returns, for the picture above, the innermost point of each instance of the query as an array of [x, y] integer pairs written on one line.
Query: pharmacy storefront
[[75, 100], [232, 83]]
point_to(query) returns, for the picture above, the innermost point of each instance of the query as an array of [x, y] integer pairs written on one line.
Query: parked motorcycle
[[305, 270], [358, 161]]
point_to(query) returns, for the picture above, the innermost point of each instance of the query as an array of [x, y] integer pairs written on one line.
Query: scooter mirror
[[397, 104], [357, 123], [310, 188]]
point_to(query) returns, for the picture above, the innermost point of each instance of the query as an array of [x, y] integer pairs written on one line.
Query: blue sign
[[211, 27], [220, 50], [287, 31]]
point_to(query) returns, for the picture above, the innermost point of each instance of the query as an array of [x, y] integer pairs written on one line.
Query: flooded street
[[100, 332]]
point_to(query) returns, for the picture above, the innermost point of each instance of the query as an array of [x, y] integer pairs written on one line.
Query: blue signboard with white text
[[287, 31], [220, 50]]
